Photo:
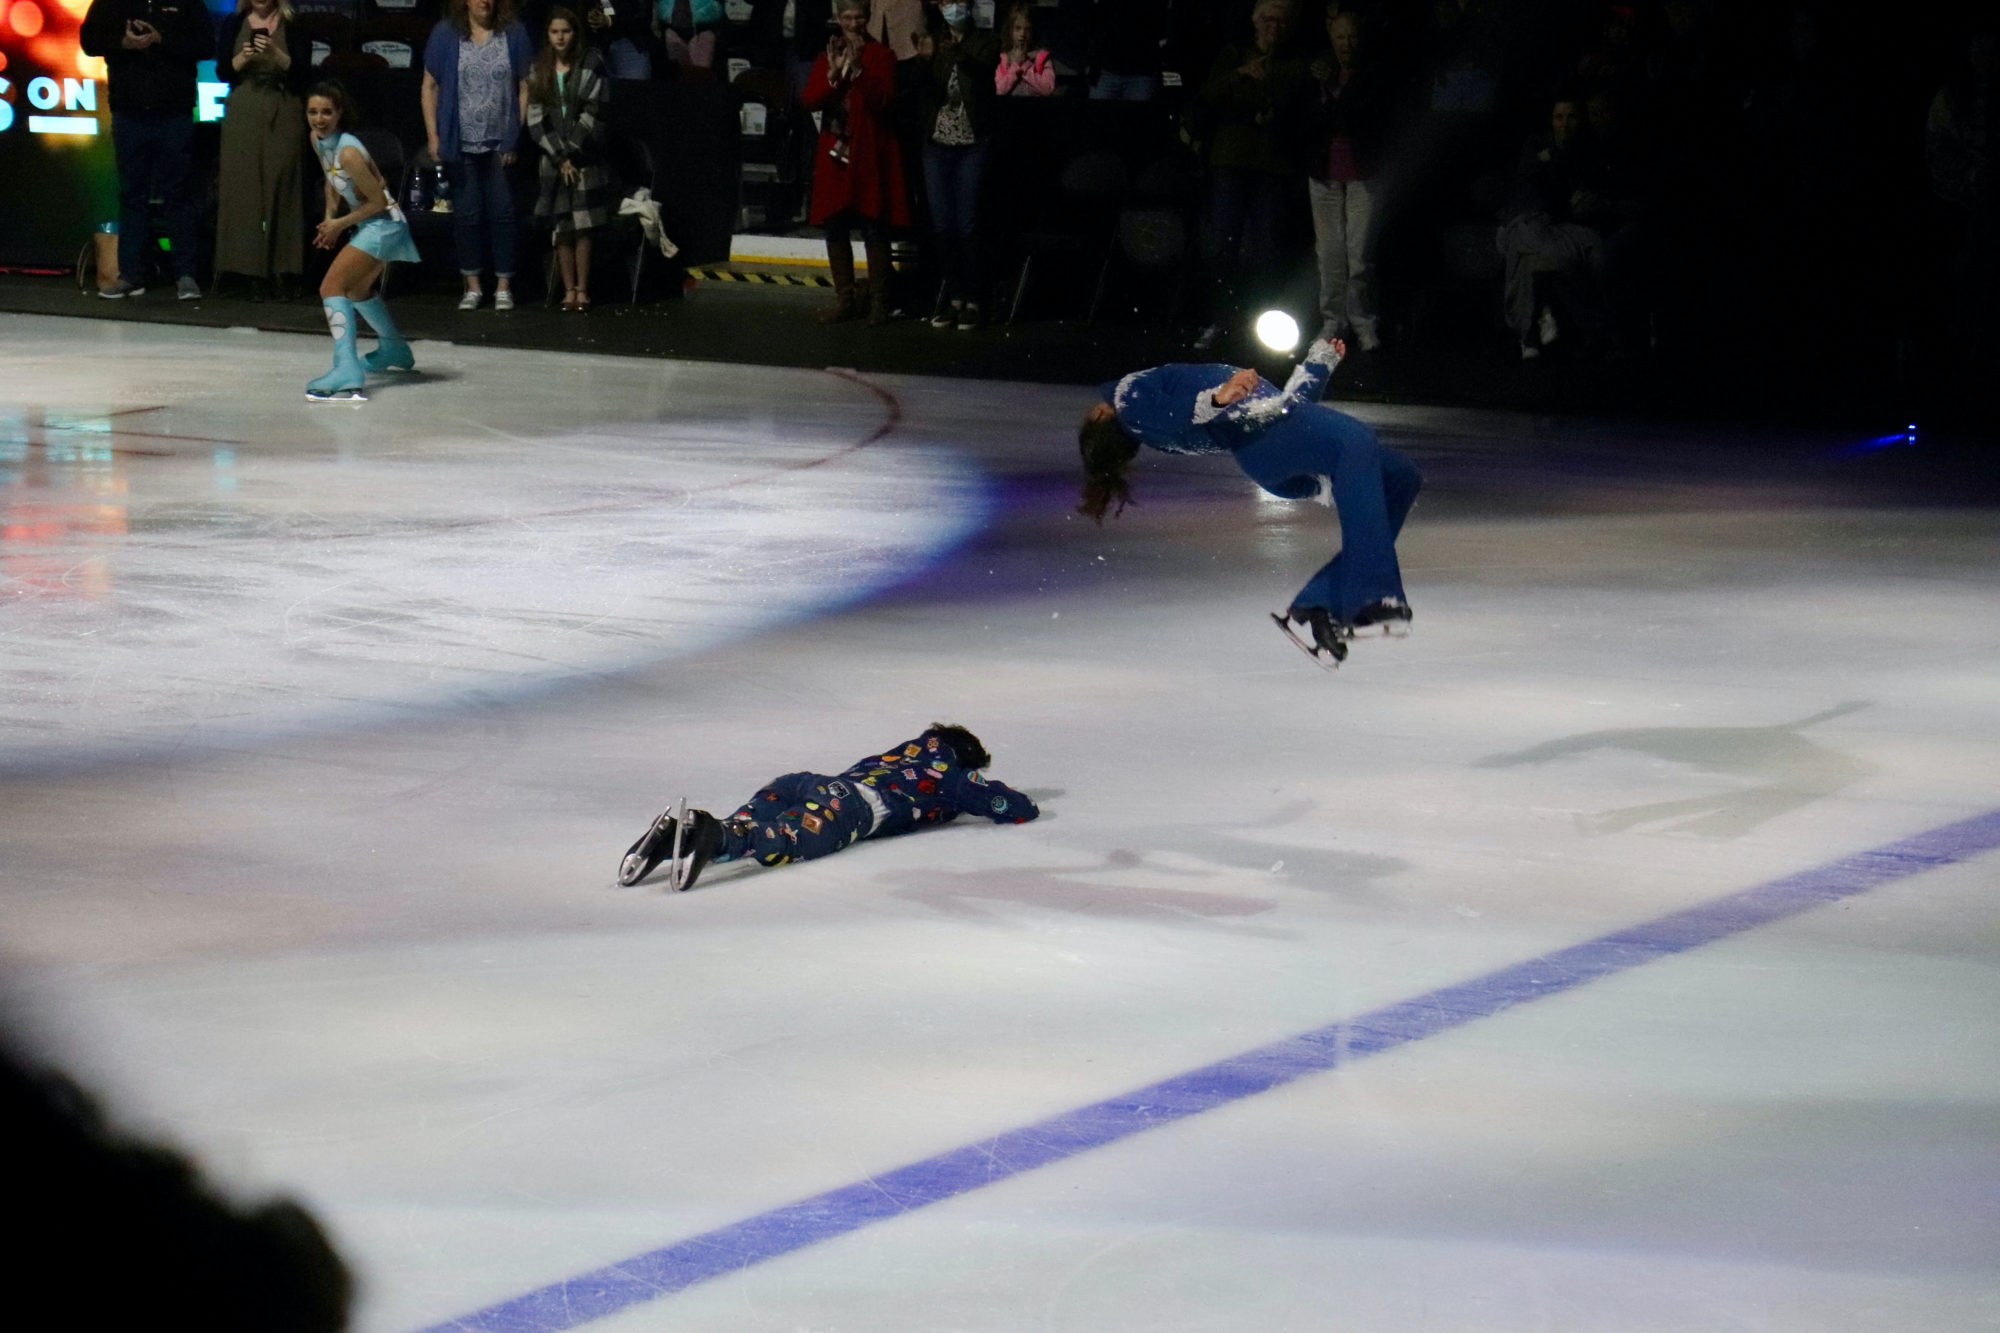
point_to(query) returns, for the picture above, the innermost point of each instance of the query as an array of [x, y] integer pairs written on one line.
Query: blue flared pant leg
[[1373, 489]]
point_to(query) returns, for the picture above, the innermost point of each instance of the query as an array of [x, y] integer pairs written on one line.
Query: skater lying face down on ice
[[1289, 443], [803, 816]]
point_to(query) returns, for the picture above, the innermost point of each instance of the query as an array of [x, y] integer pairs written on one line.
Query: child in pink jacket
[[1023, 71]]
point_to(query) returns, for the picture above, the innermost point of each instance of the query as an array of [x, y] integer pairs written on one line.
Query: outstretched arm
[[991, 800], [1310, 376]]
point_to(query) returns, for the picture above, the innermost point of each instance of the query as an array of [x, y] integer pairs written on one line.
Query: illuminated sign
[[55, 129]]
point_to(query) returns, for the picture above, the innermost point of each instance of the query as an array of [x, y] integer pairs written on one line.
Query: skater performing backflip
[[1292, 445], [381, 236], [802, 816]]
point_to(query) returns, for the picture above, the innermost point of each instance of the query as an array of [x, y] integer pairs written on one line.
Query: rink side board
[[794, 1226]]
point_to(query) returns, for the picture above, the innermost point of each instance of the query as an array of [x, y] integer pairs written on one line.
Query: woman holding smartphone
[[259, 205]]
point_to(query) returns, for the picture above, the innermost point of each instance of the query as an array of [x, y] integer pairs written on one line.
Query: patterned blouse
[[954, 126], [485, 82]]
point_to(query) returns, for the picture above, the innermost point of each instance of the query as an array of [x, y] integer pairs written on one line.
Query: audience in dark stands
[[1695, 195]]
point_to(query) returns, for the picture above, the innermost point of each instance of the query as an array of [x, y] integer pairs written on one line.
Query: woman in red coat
[[858, 172]]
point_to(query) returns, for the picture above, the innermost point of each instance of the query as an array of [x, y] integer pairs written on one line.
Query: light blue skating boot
[[391, 352], [347, 376]]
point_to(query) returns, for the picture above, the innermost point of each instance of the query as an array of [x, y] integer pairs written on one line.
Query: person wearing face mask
[[1292, 445], [957, 118]]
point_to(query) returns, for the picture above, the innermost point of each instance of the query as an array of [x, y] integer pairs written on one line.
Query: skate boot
[[702, 840], [391, 352], [1391, 614], [347, 376], [1329, 636], [655, 845]]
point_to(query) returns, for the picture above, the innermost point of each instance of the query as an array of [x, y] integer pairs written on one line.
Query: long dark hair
[[542, 77], [1107, 451], [971, 754]]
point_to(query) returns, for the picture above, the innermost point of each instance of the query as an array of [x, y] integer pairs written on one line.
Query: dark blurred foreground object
[[121, 1234]]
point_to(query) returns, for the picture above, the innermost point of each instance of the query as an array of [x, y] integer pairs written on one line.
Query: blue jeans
[[1112, 87], [482, 211], [953, 178], [1373, 489], [154, 156]]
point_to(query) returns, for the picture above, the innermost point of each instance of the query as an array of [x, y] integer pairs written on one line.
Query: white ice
[[322, 730]]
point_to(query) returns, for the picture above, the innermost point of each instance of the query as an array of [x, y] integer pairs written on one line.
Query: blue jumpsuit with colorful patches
[[802, 816]]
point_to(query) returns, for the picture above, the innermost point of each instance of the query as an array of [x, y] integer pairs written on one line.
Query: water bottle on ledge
[[441, 191]]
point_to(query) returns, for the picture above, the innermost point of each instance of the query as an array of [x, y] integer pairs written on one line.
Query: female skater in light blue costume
[[380, 237], [1293, 446]]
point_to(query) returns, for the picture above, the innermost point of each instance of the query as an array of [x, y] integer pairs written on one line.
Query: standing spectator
[[901, 26], [687, 29], [1550, 257], [858, 170], [1024, 70], [150, 49], [1125, 49], [1348, 112], [475, 97], [625, 36], [566, 92], [259, 206], [958, 113], [1254, 98]]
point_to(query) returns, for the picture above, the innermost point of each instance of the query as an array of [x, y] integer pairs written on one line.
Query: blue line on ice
[[794, 1226]]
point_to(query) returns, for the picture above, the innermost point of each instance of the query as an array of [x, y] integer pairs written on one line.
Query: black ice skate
[[655, 845], [1390, 615], [701, 841], [1329, 636]]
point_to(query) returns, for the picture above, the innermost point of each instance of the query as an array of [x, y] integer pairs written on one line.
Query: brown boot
[[840, 262], [881, 272]]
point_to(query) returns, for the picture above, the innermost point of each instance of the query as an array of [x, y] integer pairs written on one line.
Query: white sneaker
[[470, 301], [187, 289], [503, 299], [1546, 326]]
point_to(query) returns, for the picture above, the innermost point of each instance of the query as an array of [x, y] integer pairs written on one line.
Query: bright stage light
[[1277, 330]]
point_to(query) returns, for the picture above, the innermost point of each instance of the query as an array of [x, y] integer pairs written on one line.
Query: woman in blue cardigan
[[475, 95]]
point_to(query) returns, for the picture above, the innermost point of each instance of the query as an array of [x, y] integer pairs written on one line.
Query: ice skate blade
[[678, 876], [340, 396], [1325, 660]]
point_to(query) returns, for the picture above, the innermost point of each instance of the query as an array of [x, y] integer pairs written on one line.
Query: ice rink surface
[[322, 730]]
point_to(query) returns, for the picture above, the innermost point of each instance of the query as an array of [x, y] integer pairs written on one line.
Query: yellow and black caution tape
[[767, 279]]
